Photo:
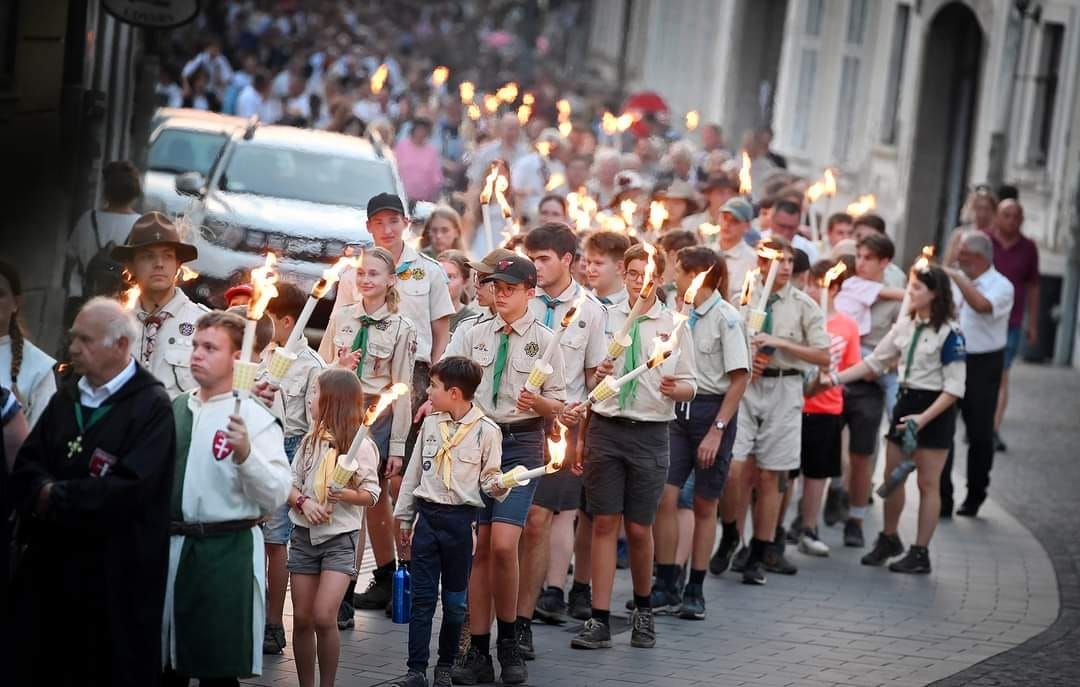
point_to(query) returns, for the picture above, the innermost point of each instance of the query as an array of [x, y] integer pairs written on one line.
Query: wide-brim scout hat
[[513, 270], [680, 190], [487, 265], [154, 229], [626, 181]]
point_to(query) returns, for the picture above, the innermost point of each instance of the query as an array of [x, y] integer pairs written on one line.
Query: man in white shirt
[[255, 99], [735, 217], [216, 65], [985, 299]]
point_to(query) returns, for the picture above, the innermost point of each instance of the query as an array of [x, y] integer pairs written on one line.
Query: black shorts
[[936, 435], [561, 491], [864, 404], [685, 435], [821, 445], [626, 466]]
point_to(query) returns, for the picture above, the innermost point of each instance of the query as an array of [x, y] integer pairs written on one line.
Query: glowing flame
[[863, 205], [131, 297], [565, 128], [745, 185], [650, 267], [923, 263], [489, 184], [528, 99], [392, 394], [816, 190], [263, 280], [609, 123], [557, 448], [491, 103], [187, 274], [544, 148], [563, 106], [612, 223], [474, 112], [508, 93], [574, 310], [708, 229], [555, 182], [695, 286], [830, 182], [378, 79], [332, 274], [766, 253], [467, 91], [748, 286], [627, 208], [501, 185], [657, 214], [662, 350], [524, 112], [509, 234], [582, 208], [692, 120], [834, 272], [624, 122], [439, 76]]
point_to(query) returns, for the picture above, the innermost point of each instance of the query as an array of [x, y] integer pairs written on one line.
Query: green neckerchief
[[631, 360], [766, 326], [911, 348], [360, 342], [75, 445], [500, 364]]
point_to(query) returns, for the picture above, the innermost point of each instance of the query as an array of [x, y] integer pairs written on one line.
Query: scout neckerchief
[[360, 341], [151, 325], [766, 326], [919, 327], [75, 445], [443, 458], [500, 363], [323, 473], [631, 360], [551, 304], [696, 314]]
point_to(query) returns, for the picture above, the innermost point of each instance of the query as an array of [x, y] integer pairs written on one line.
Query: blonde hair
[[393, 298]]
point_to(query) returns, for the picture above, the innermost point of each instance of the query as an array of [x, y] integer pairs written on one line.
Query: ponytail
[[18, 337], [393, 299]]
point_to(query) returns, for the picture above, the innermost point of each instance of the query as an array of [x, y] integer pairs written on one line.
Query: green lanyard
[[75, 445], [628, 392], [911, 349], [500, 365]]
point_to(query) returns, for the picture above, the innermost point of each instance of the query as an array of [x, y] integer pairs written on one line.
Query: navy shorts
[[685, 435], [278, 528], [520, 448], [561, 491]]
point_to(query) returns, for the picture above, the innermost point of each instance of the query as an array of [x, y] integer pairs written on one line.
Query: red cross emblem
[[220, 447]]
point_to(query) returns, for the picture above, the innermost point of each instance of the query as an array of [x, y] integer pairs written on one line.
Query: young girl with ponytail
[[24, 368]]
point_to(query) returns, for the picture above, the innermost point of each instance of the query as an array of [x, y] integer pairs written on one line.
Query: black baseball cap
[[514, 269], [385, 201]]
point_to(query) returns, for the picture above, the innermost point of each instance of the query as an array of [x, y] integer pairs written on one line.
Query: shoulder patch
[[954, 349], [187, 329]]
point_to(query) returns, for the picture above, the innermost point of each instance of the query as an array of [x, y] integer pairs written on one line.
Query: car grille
[[257, 241]]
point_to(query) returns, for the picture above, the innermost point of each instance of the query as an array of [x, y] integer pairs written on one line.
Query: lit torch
[[816, 190], [439, 76], [508, 93], [757, 315], [491, 103], [863, 205], [922, 264], [263, 280], [627, 208], [692, 290], [746, 186], [467, 91], [186, 274], [657, 214], [524, 112], [520, 476], [485, 200], [330, 276], [385, 400], [378, 79], [555, 182], [832, 275], [692, 120]]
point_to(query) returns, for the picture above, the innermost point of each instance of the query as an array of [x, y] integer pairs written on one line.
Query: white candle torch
[[816, 190], [757, 316], [520, 476], [263, 280], [542, 369], [648, 285], [394, 393], [330, 276], [863, 205]]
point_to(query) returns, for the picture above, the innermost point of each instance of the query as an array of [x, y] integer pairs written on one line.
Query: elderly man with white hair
[[92, 485], [985, 298]]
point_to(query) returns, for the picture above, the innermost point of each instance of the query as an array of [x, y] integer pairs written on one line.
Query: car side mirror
[[190, 184]]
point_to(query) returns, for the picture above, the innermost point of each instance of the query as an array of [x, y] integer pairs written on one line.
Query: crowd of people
[[687, 355]]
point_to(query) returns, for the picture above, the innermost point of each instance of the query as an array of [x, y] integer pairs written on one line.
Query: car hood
[[290, 217]]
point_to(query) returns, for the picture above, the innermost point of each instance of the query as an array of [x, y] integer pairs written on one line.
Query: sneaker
[[886, 546], [580, 604], [273, 639], [377, 595], [753, 574], [442, 677], [811, 545], [595, 635], [693, 603], [776, 562], [833, 506], [550, 607], [738, 563], [643, 629], [969, 509], [721, 560], [999, 445], [525, 640], [853, 535], [663, 600], [474, 669], [345, 612], [413, 679], [622, 555], [511, 663], [916, 562]]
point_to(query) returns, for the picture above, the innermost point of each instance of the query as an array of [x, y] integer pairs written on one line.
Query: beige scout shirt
[[795, 317], [425, 296], [166, 352], [475, 461], [345, 517], [616, 298], [721, 344], [649, 405], [740, 259], [295, 390], [937, 362], [528, 341], [584, 345], [391, 347]]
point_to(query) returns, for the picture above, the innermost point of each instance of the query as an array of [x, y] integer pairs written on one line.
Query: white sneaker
[[811, 545]]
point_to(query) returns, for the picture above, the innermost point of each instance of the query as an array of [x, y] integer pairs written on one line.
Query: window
[[856, 25], [848, 124], [814, 14], [804, 101], [890, 122], [845, 114], [1044, 101]]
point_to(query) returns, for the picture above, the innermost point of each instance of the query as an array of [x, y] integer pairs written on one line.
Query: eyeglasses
[[504, 289]]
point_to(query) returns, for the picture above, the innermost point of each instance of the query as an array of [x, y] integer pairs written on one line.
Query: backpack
[[102, 276]]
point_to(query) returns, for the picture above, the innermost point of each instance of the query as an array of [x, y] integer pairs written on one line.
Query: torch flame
[[467, 91], [613, 223], [131, 297], [565, 128], [187, 274], [830, 182], [609, 123], [748, 286], [708, 229], [582, 208], [491, 103], [332, 274], [923, 263], [378, 79], [524, 112], [543, 147], [816, 190], [563, 106], [574, 311], [695, 286], [657, 214], [692, 120], [767, 253], [501, 185], [863, 205], [508, 93], [624, 122], [474, 112], [262, 283], [662, 350], [834, 272], [557, 448], [650, 267], [489, 184], [528, 99], [439, 76], [555, 182], [627, 208], [391, 395], [745, 185]]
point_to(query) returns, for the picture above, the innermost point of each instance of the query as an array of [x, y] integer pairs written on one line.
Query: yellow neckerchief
[[442, 458], [323, 470]]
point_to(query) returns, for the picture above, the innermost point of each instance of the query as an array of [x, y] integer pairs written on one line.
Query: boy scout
[[703, 434], [604, 252], [627, 446], [153, 255], [507, 346], [769, 436]]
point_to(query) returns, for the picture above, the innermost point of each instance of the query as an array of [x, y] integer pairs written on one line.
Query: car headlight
[[334, 249], [304, 247]]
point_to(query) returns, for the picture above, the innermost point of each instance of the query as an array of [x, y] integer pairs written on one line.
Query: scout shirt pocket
[[380, 349], [413, 286], [466, 468], [178, 358]]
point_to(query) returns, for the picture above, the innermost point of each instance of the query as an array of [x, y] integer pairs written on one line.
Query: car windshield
[[182, 150], [302, 175]]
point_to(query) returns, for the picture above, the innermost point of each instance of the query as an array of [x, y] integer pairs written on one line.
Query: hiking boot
[[378, 593], [511, 663], [580, 604], [738, 563], [776, 562], [273, 639], [413, 679], [345, 613], [853, 535], [622, 555], [595, 635], [753, 574], [643, 629], [474, 669], [442, 677], [721, 560], [811, 545], [916, 562], [693, 603], [550, 607], [834, 506], [886, 546], [525, 640]]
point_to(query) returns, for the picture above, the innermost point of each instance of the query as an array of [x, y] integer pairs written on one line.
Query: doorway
[[761, 24]]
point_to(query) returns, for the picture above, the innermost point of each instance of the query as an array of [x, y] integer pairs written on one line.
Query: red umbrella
[[645, 102]]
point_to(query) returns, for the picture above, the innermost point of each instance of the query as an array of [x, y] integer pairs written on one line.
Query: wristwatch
[[720, 425]]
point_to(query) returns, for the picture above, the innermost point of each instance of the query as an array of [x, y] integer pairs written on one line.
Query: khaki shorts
[[770, 423]]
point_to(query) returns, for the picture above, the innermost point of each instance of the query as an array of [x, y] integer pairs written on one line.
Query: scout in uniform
[[604, 252], [507, 346], [374, 337], [457, 458], [703, 433], [153, 255], [768, 439], [626, 446], [231, 471], [549, 532], [927, 348]]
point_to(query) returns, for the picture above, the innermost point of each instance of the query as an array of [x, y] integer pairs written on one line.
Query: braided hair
[[15, 328]]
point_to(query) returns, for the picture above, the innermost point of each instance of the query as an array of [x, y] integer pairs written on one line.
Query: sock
[[757, 549], [522, 620], [601, 616], [507, 630], [386, 570], [642, 601], [558, 589], [857, 512], [730, 532], [580, 586], [482, 643], [697, 576], [667, 574]]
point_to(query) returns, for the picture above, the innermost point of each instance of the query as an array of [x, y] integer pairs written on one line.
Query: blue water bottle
[[402, 596]]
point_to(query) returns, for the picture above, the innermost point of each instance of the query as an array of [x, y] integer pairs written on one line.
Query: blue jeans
[[441, 548], [523, 448]]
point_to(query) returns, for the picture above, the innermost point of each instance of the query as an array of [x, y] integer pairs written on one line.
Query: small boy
[[457, 457]]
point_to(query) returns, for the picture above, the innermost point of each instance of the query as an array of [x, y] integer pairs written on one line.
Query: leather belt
[[776, 372], [534, 424], [209, 529]]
